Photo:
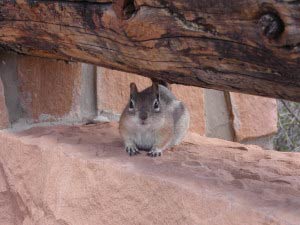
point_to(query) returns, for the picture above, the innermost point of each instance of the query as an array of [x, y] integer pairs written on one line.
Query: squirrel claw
[[154, 153], [132, 150]]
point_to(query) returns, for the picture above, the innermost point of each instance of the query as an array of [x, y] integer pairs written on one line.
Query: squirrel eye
[[131, 105], [156, 105]]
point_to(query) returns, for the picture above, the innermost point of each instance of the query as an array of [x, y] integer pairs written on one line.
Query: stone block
[[193, 98], [113, 89], [4, 119], [48, 90], [253, 116], [217, 115]]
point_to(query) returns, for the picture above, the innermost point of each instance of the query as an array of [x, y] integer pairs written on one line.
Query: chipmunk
[[153, 120]]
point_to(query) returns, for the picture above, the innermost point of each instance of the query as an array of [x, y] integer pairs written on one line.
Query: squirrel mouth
[[143, 122]]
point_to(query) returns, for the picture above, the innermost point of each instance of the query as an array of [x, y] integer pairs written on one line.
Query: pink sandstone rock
[[253, 116], [9, 212], [4, 120], [82, 175], [113, 94]]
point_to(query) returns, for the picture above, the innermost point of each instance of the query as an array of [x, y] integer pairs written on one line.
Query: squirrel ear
[[133, 89], [161, 82], [155, 89]]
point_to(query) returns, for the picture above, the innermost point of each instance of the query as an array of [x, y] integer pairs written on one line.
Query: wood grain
[[249, 46]]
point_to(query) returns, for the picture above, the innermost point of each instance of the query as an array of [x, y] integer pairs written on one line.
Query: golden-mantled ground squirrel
[[153, 120]]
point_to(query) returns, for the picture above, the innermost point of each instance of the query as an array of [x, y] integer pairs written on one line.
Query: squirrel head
[[146, 106]]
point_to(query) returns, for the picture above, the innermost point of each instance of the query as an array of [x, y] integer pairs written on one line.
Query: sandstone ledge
[[81, 175]]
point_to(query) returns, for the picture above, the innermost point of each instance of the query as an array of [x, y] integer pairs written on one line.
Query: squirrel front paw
[[132, 150], [154, 152]]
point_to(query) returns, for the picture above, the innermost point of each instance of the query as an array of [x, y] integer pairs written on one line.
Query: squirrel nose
[[143, 115]]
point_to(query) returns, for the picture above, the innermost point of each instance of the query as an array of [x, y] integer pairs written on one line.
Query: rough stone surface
[[217, 117], [82, 175], [265, 142], [47, 86], [113, 89], [9, 210], [253, 116], [9, 77], [86, 98], [113, 92], [4, 119], [47, 90], [193, 98]]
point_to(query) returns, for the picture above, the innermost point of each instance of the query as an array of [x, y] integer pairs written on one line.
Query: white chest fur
[[143, 135]]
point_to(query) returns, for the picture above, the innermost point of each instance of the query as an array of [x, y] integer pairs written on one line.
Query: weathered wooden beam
[[250, 46]]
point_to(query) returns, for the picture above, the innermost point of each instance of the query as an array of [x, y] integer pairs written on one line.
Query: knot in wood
[[124, 9], [271, 25]]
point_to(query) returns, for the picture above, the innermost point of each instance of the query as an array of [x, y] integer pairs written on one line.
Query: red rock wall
[[50, 91], [47, 86], [253, 116], [113, 94]]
